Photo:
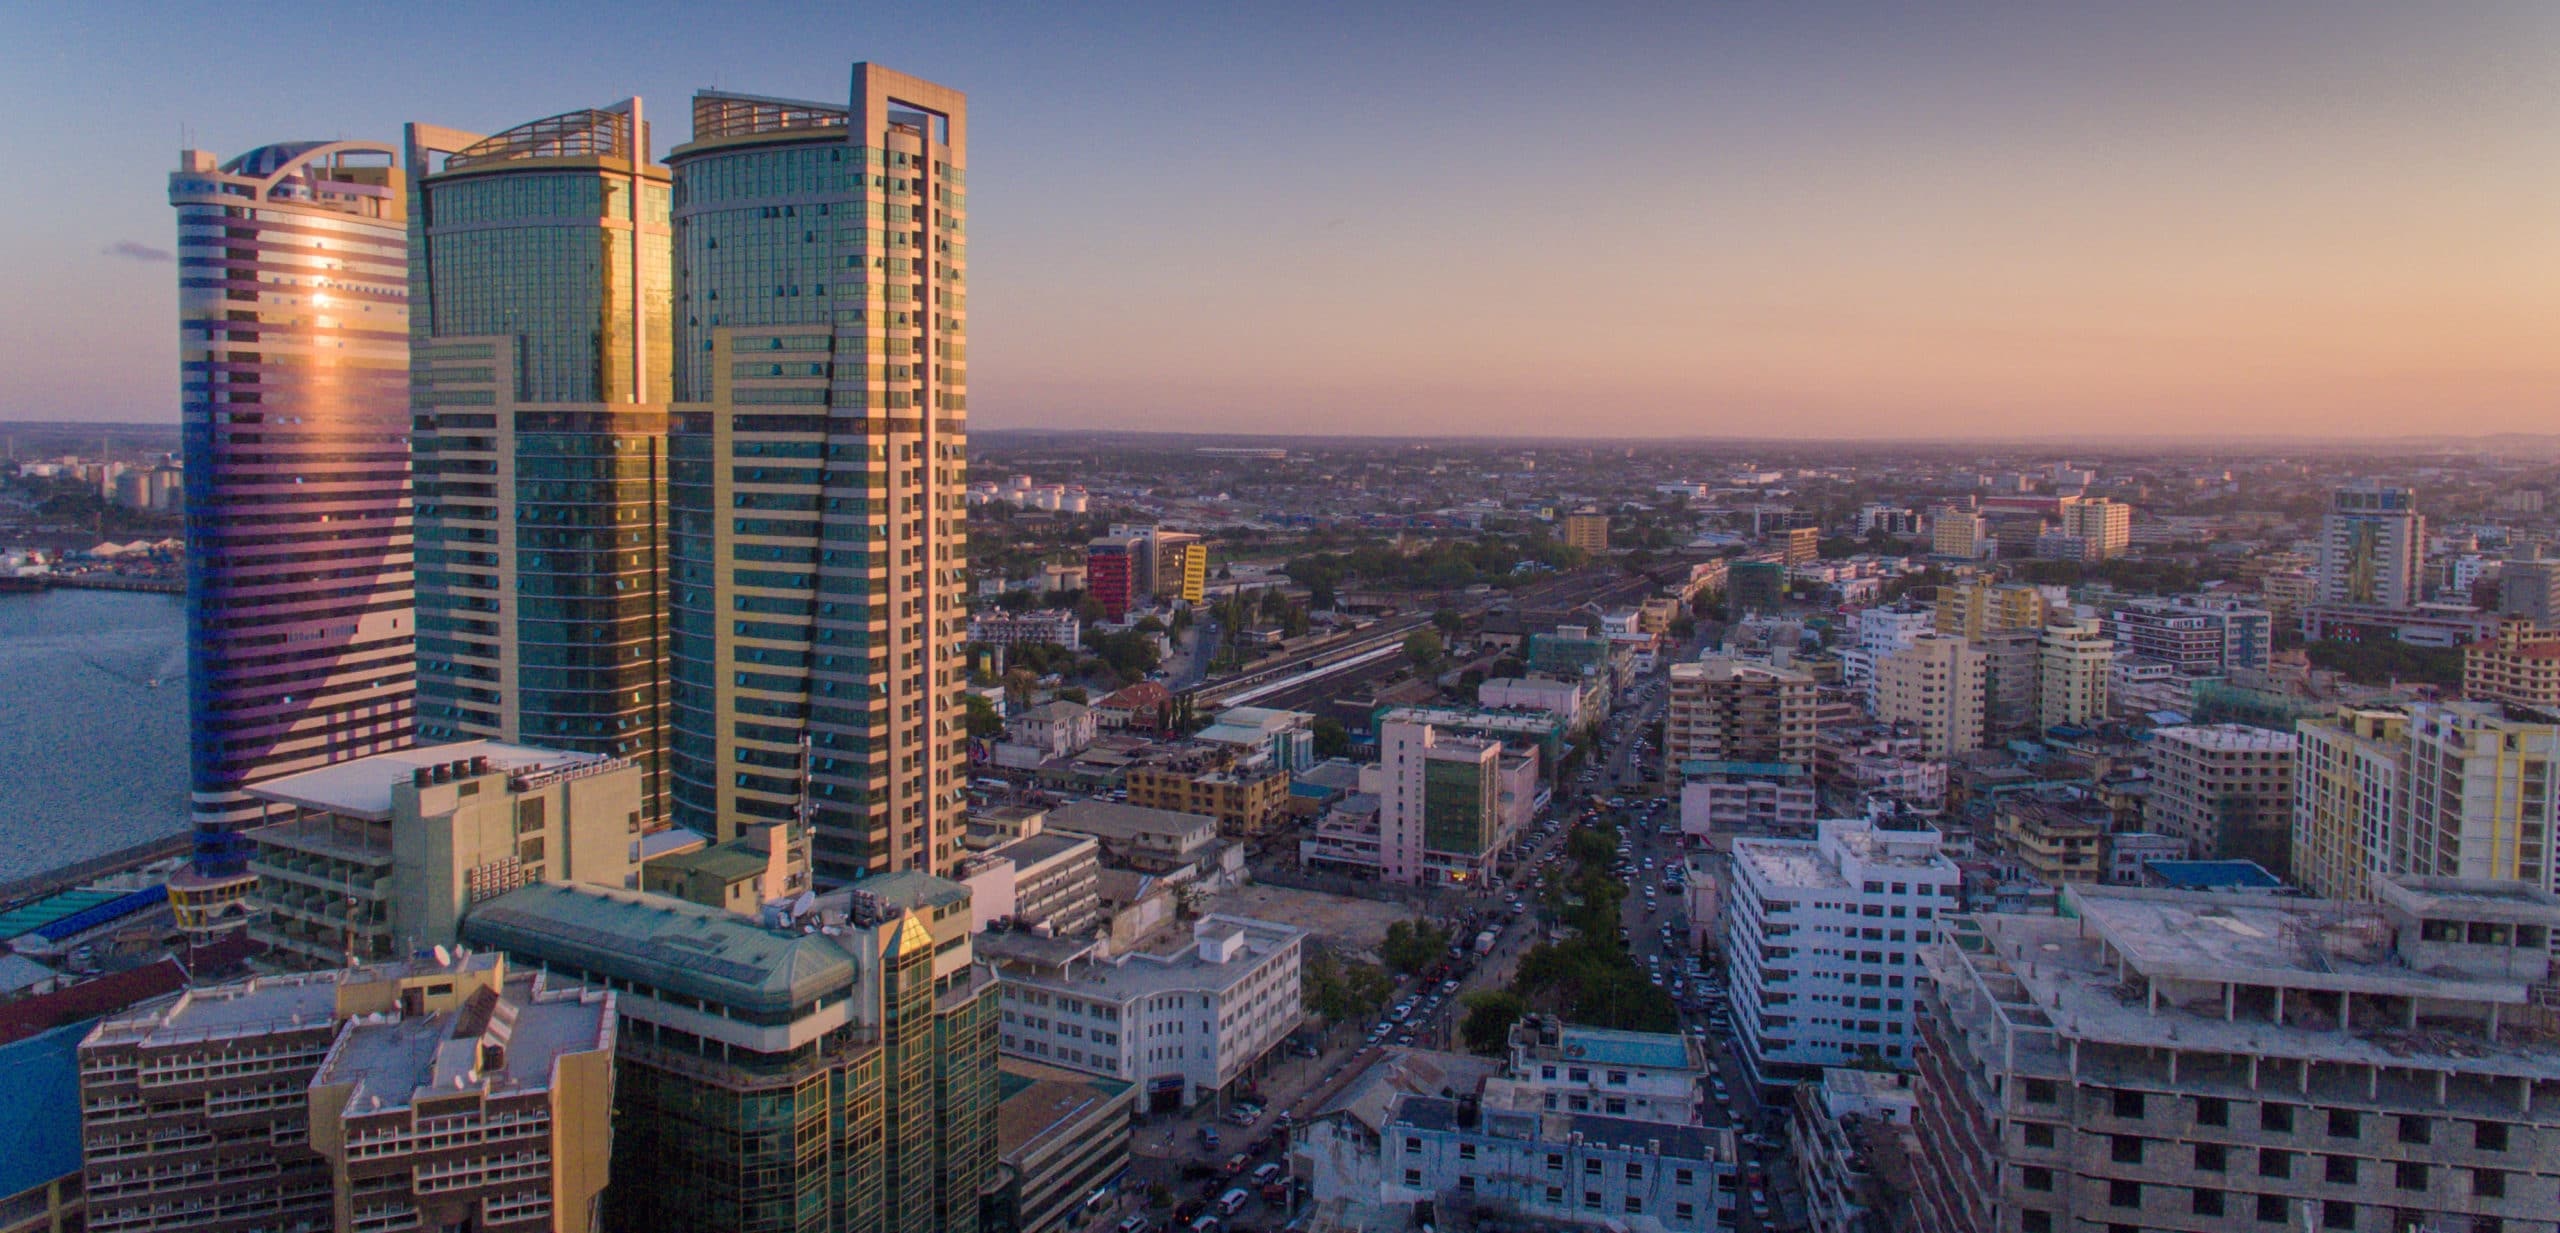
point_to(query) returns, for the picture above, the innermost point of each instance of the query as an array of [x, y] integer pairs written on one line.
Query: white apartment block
[[1823, 937], [1880, 632], [1192, 1020]]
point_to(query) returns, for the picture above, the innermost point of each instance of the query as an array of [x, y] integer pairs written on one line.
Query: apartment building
[[1575, 1068], [1936, 686], [836, 1074], [1046, 627], [1823, 937], [2373, 547], [1555, 1170], [1972, 609], [439, 1093], [2520, 664], [1957, 532], [379, 858], [1880, 632], [1588, 530], [1724, 709], [1185, 1024], [2105, 526], [2189, 1060], [2193, 638], [1850, 1135], [2053, 840], [1244, 792], [2226, 790], [2073, 658], [1061, 1140], [1043, 882], [2461, 789]]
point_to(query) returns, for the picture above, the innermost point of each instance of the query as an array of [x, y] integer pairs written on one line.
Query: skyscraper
[[294, 409], [539, 283], [2373, 546], [820, 461]]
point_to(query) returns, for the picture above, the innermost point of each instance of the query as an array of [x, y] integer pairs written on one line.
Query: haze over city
[[2273, 219]]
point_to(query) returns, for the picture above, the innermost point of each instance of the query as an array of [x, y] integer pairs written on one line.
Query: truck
[[1484, 942]]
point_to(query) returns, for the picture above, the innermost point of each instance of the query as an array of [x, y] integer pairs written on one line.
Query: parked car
[[1233, 1200]]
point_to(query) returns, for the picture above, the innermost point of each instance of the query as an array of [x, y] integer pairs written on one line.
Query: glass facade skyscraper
[[819, 465], [540, 265], [293, 319]]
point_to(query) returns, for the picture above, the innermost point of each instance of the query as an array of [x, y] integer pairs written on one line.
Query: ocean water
[[93, 725]]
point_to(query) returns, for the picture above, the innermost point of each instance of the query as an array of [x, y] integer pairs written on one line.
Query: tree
[[1490, 1014], [1449, 621], [1332, 740], [1423, 648], [1413, 945], [984, 723]]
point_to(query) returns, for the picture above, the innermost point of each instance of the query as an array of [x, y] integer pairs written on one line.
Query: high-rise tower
[[819, 470], [293, 323], [540, 274], [2373, 547]]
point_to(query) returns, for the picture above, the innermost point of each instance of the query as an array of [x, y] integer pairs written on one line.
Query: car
[[1245, 1115], [1209, 1137], [1404, 1038], [1267, 1172], [1449, 986], [1233, 1200], [1236, 1163], [1134, 1224]]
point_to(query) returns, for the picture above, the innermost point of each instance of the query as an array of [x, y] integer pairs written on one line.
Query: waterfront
[[93, 724]]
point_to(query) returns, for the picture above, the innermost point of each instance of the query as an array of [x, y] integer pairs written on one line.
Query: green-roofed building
[[831, 1074]]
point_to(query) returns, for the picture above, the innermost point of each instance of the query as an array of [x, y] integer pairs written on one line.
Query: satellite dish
[[803, 905], [444, 958]]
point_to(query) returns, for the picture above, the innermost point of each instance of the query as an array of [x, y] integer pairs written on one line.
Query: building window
[[2034, 1178], [2124, 1194], [2271, 1209], [2489, 1136], [2488, 1183], [2411, 1175], [2211, 1158], [2125, 1149], [2344, 1124], [2037, 1134], [2206, 1202], [2212, 1111], [2035, 1222], [2275, 1162], [2275, 1117], [2042, 1091], [1413, 1177], [2128, 1104], [2340, 1169], [2417, 1130], [2337, 1214]]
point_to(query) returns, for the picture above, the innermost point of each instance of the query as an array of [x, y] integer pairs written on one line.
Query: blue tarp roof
[[2211, 875], [40, 1121], [90, 918]]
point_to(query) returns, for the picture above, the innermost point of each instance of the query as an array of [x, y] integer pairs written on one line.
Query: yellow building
[[1972, 609], [1245, 799], [2073, 659], [2520, 665], [1803, 546], [1937, 685], [2106, 526], [1958, 532], [1587, 530], [2348, 777], [2460, 789], [2056, 846]]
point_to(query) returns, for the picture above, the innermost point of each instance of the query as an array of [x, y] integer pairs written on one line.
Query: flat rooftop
[[1612, 1047], [400, 1059], [362, 788], [1796, 864], [1183, 970], [1037, 1102], [665, 942], [1119, 823], [1033, 849]]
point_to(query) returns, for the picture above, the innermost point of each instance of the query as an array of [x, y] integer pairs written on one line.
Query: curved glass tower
[[293, 324], [539, 268], [819, 450]]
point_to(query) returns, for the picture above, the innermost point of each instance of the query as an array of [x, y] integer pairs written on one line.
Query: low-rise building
[[1271, 737], [2053, 839], [2520, 664], [1578, 702], [1051, 627], [1554, 1170], [1244, 793], [421, 1094], [1045, 883], [1721, 797], [379, 857], [1573, 1068], [1185, 1024], [1062, 1139], [1181, 847], [1850, 1135]]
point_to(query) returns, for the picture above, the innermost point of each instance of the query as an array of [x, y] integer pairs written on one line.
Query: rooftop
[[393, 1060], [1185, 969], [2213, 875], [1121, 823], [664, 942], [2227, 738], [1032, 850], [1036, 1102], [362, 788], [1613, 1047]]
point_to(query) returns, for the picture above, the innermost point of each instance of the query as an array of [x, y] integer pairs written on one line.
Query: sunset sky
[[1755, 218]]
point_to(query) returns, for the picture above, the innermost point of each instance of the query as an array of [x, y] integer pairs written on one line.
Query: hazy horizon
[[1984, 222]]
